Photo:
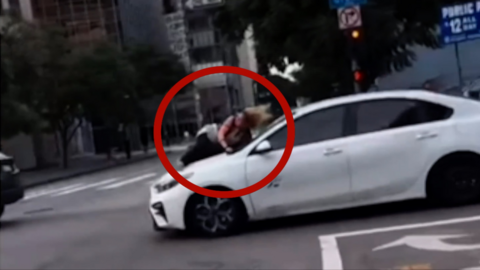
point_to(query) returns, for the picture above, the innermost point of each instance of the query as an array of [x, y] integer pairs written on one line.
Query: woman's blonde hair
[[258, 116]]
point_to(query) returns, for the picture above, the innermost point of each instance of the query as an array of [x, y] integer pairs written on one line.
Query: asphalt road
[[101, 221]]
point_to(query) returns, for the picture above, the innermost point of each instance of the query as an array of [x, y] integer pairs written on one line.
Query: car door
[[394, 141], [316, 175]]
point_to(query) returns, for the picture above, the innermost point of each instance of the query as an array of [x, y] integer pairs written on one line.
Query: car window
[[314, 127], [435, 112], [380, 115]]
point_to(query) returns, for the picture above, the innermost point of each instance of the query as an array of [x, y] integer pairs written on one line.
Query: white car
[[350, 151]]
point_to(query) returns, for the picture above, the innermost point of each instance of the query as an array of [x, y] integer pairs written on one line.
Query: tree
[[155, 72], [107, 81], [16, 73], [39, 63], [57, 98], [306, 31]]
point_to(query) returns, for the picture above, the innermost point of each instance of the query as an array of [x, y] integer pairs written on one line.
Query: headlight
[[161, 187], [165, 186]]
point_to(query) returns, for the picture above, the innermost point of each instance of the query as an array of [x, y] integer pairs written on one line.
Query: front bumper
[[11, 188], [167, 208]]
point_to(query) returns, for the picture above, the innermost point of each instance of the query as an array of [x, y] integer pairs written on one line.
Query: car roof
[[413, 94]]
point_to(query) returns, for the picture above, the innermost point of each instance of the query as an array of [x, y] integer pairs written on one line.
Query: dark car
[[12, 190]]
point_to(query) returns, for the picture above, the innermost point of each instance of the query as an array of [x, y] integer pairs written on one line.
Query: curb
[[91, 171]]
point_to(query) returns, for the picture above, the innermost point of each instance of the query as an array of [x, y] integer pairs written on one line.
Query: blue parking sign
[[460, 22], [336, 4]]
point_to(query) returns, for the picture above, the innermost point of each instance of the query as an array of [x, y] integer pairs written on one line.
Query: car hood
[[220, 158], [204, 165]]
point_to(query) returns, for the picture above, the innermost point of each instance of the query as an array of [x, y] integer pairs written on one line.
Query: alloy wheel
[[215, 214]]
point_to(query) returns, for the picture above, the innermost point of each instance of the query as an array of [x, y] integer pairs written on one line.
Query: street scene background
[[82, 81]]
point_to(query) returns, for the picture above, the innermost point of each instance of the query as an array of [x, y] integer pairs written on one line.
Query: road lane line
[[129, 181], [45, 192], [409, 226], [70, 191], [331, 258]]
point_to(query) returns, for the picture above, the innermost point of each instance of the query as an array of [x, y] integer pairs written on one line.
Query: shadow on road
[[390, 210], [7, 224]]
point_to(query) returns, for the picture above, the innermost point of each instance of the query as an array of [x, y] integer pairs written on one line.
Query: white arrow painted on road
[[429, 242]]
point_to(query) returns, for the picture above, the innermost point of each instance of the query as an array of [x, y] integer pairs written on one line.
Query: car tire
[[455, 181], [214, 217]]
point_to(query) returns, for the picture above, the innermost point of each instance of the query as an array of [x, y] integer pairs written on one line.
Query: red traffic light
[[358, 76]]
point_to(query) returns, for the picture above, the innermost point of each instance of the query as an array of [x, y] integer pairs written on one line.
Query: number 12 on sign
[[456, 26]]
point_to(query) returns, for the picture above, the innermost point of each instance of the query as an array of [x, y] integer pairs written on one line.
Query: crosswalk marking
[[129, 181], [73, 190], [54, 191], [49, 191]]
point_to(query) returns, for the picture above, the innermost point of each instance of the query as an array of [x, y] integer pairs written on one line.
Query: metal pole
[[198, 110], [196, 93], [175, 117], [356, 87], [227, 84], [459, 66]]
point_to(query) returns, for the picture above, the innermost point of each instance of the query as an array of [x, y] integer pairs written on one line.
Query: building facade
[[123, 22], [196, 40], [142, 23]]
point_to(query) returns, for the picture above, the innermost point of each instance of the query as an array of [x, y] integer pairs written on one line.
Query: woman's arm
[[224, 129]]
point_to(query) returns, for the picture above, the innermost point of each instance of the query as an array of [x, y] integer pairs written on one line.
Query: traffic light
[[359, 76], [355, 34]]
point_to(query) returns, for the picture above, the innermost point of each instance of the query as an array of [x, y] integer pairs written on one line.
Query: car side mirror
[[263, 147]]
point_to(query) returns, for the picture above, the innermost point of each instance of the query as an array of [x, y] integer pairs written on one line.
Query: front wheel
[[214, 217]]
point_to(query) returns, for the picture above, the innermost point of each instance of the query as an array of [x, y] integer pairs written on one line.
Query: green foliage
[[105, 81], [16, 74], [156, 73], [306, 31], [48, 79]]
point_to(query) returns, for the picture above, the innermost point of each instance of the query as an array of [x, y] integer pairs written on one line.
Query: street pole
[[459, 66], [175, 117], [356, 87], [196, 93], [227, 81], [198, 110]]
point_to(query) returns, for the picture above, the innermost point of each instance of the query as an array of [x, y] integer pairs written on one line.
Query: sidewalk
[[89, 164]]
